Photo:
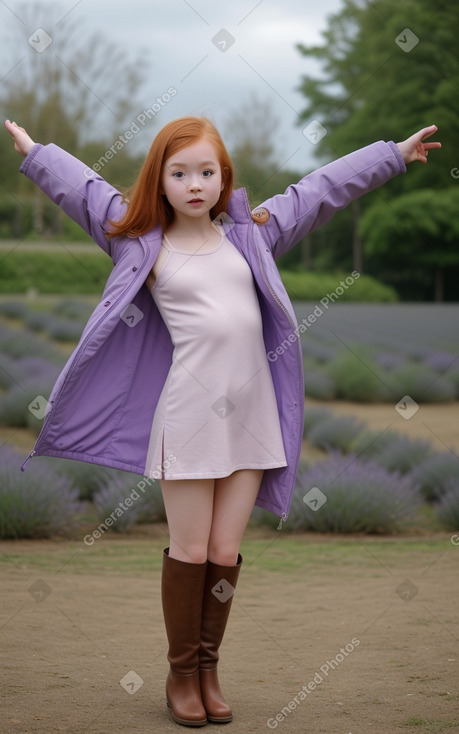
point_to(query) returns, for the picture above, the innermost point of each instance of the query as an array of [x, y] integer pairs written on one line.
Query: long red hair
[[146, 205]]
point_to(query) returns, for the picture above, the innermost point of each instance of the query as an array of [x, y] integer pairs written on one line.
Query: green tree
[[417, 234], [389, 67]]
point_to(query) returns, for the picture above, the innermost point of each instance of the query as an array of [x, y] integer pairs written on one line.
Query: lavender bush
[[343, 494], [8, 375], [313, 415], [357, 377], [422, 384], [317, 350], [31, 368], [37, 503], [13, 309], [122, 500], [25, 344], [435, 475], [441, 361], [318, 386], [404, 454], [72, 309], [371, 444], [335, 433], [37, 321], [14, 405], [64, 330], [389, 360], [85, 477], [447, 509]]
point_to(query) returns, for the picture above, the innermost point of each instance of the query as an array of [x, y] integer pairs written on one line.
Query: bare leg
[[189, 508], [234, 498]]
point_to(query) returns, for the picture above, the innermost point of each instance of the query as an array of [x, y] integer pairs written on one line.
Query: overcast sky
[[216, 55]]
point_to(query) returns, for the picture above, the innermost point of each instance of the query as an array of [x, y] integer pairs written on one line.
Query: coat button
[[260, 216], [134, 269]]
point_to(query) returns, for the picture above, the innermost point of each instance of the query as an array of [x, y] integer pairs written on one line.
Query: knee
[[188, 554], [222, 555]]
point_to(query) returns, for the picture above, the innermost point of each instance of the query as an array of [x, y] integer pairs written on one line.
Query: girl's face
[[192, 180]]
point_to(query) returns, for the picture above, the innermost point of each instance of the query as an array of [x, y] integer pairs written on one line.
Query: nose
[[195, 183]]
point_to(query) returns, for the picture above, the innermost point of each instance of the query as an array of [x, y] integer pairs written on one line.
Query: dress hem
[[214, 475]]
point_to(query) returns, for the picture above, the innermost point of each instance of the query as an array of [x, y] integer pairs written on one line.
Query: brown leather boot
[[218, 596], [182, 589]]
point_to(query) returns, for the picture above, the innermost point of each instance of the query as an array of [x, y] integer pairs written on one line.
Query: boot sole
[[223, 720], [185, 722]]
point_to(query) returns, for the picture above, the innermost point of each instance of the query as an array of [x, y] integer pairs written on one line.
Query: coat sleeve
[[81, 193], [315, 199]]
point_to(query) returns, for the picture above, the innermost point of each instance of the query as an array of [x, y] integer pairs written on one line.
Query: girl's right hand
[[23, 143]]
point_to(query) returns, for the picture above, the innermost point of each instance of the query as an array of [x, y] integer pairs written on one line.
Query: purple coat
[[102, 406]]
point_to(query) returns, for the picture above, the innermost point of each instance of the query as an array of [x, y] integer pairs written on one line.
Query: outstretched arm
[[319, 195], [414, 149], [81, 193], [23, 143]]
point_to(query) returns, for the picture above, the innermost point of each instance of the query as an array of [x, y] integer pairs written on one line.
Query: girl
[[189, 369]]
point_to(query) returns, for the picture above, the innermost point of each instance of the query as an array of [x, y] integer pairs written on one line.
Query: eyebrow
[[184, 165]]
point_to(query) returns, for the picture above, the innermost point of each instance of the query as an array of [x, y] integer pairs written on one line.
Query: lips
[[195, 201]]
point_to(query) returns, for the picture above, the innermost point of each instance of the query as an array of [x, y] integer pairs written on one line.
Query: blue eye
[[178, 174], [207, 174]]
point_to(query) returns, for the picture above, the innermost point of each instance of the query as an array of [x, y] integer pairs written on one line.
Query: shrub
[[371, 444], [335, 433], [447, 510], [404, 454], [453, 376], [318, 386], [306, 286], [389, 360], [8, 376], [64, 330], [317, 350], [343, 494], [434, 475], [14, 405], [440, 361], [13, 309], [356, 377], [33, 368], [72, 309], [313, 416], [36, 321], [422, 384], [71, 271], [18, 344], [87, 478], [34, 504], [126, 504]]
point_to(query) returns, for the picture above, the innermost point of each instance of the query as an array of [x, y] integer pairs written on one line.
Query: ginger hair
[[147, 207]]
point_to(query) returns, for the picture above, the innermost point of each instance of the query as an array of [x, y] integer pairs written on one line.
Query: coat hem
[[90, 459]]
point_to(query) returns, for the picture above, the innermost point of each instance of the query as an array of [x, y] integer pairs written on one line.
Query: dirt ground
[[327, 635]]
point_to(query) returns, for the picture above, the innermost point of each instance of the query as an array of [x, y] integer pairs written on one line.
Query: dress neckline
[[167, 243]]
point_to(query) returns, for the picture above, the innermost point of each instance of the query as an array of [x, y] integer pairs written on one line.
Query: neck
[[200, 227]]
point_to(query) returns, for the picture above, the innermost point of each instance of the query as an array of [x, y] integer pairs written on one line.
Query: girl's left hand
[[413, 149]]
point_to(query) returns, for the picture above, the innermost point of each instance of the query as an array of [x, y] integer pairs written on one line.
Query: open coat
[[101, 408]]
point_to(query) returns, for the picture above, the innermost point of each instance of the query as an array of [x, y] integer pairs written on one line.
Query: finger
[[426, 132]]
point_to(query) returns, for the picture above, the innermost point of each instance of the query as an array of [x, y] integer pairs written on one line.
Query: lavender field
[[381, 352], [371, 481]]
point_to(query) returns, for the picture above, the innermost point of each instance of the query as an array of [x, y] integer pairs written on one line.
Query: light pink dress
[[217, 412]]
